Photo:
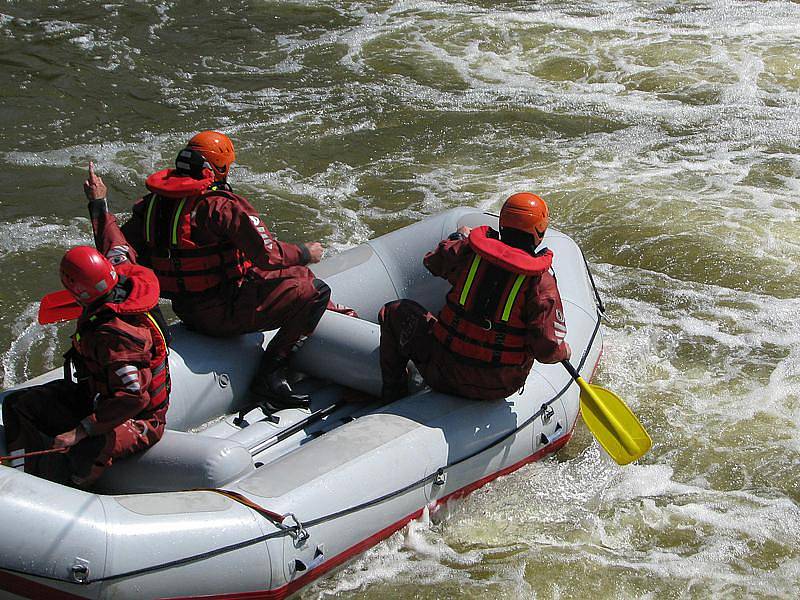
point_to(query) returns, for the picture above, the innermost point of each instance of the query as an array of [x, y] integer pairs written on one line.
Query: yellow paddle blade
[[613, 423]]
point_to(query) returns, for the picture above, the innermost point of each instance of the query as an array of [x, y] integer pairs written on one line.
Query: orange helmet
[[527, 212], [87, 274], [217, 150]]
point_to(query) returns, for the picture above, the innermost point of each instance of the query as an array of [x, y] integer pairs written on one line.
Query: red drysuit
[[223, 270], [122, 390], [503, 311]]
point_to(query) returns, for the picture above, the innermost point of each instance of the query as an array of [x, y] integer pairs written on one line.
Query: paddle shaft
[[622, 434]]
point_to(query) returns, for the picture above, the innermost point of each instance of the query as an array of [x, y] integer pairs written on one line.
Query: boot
[[272, 391], [394, 391]]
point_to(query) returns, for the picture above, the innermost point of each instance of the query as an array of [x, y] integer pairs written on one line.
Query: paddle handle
[[623, 435]]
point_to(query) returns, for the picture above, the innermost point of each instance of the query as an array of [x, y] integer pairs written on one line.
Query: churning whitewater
[[665, 137]]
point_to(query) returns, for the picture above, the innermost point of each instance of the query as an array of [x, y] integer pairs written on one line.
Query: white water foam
[[31, 339], [31, 233]]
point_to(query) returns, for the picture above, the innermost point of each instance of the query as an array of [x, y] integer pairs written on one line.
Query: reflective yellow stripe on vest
[[175, 220], [462, 300], [511, 297], [150, 206], [161, 333]]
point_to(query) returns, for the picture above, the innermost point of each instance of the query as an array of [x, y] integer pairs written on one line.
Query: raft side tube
[[148, 530], [51, 530]]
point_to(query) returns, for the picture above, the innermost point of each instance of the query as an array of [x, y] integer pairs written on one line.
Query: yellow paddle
[[611, 421]]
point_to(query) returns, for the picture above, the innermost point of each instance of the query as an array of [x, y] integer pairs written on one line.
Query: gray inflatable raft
[[231, 504]]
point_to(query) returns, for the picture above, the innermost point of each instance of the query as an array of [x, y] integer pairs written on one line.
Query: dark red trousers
[[407, 334], [34, 416], [290, 300]]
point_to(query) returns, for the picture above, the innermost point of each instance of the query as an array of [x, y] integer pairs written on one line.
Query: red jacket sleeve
[[108, 237], [238, 222], [545, 316], [128, 376], [449, 259]]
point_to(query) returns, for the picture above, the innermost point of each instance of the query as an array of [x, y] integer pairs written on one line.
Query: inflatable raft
[[233, 504]]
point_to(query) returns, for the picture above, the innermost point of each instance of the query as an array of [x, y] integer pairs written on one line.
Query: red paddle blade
[[58, 306]]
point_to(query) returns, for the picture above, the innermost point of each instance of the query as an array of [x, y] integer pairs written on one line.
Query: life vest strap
[[187, 253], [462, 313], [500, 343]]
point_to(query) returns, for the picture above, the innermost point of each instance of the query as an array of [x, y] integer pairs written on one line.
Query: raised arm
[[108, 237]]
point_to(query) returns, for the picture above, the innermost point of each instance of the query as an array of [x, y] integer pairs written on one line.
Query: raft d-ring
[[441, 477], [223, 380], [80, 570], [547, 413], [299, 530]]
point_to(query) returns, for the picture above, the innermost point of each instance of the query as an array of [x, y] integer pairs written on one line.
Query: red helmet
[[527, 212], [217, 150], [87, 274]]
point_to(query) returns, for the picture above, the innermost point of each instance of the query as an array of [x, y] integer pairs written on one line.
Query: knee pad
[[323, 297], [322, 289], [392, 307]]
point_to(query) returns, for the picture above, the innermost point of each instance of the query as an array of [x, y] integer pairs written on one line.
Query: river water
[[665, 136]]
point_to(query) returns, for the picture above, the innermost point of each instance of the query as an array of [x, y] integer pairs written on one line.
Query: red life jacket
[[183, 266], [134, 310], [482, 320]]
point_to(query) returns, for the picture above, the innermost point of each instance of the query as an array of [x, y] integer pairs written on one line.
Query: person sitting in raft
[[224, 272], [118, 404], [503, 311]]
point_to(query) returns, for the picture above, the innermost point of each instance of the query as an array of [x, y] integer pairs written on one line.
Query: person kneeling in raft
[[118, 404], [503, 311]]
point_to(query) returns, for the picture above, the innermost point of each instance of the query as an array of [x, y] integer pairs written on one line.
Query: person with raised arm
[[113, 399], [223, 270]]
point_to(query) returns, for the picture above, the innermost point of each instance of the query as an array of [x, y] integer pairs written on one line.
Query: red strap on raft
[[37, 453]]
